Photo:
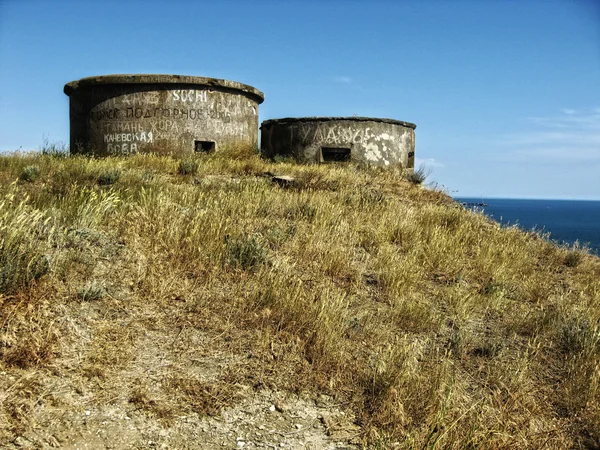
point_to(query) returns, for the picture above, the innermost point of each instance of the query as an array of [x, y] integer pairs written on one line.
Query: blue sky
[[505, 94]]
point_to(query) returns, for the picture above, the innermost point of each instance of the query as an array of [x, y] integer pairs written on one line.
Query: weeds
[[246, 252], [54, 149], [92, 291], [187, 167], [23, 235], [418, 176], [432, 326], [573, 258], [30, 174], [109, 177], [203, 398]]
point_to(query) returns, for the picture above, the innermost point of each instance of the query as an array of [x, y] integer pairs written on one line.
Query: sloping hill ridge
[[155, 303]]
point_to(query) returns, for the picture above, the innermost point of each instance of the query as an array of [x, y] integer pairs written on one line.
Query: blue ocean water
[[567, 221]]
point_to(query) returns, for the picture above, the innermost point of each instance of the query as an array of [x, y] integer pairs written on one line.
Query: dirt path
[[263, 421]]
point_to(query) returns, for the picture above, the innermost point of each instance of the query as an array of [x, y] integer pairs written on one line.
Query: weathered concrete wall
[[171, 114], [378, 142]]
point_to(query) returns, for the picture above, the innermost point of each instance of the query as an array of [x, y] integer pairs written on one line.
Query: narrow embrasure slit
[[204, 146], [335, 154]]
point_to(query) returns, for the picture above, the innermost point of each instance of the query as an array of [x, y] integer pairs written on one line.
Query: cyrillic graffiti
[[109, 114], [165, 125], [129, 137], [126, 143], [123, 149], [332, 135], [151, 113], [122, 127], [191, 95]]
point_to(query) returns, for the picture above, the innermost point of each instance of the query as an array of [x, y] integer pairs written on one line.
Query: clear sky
[[505, 94]]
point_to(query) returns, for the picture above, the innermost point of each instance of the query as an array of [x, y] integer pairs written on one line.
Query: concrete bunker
[[373, 141], [167, 114]]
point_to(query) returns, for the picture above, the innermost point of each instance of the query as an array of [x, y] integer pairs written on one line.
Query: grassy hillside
[[170, 288]]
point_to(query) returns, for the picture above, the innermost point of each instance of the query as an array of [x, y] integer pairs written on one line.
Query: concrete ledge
[[152, 79], [288, 120]]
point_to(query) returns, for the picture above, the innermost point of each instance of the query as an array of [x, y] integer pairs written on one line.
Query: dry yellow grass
[[176, 290]]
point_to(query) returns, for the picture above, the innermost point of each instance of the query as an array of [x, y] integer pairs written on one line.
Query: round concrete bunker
[[373, 141], [167, 114]]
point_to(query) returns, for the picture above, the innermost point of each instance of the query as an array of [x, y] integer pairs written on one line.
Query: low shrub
[[92, 291], [109, 177], [55, 149], [418, 176], [187, 167], [246, 252], [30, 174], [573, 258]]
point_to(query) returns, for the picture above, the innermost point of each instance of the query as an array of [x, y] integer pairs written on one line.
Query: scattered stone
[[283, 180], [250, 424], [280, 406]]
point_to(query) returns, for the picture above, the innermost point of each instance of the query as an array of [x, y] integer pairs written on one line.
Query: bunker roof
[[105, 80], [287, 120]]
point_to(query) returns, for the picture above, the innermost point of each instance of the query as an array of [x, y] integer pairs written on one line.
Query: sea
[[567, 221]]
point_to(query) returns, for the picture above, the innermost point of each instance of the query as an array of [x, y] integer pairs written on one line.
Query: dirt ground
[[262, 421], [108, 385]]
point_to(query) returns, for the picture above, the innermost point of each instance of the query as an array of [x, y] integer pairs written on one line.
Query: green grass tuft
[[187, 167], [109, 177], [246, 252], [418, 176], [30, 174], [92, 291]]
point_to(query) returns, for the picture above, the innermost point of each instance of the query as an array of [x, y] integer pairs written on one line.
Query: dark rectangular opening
[[335, 154], [204, 146]]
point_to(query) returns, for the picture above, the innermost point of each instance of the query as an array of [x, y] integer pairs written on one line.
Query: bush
[[92, 291], [245, 252], [110, 177], [187, 167], [55, 149], [418, 176], [573, 258], [30, 174]]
